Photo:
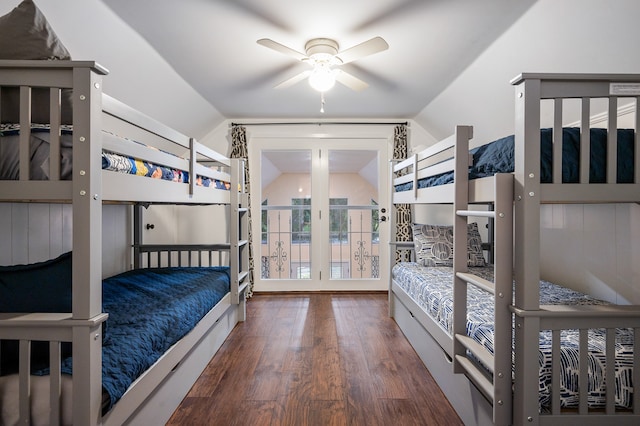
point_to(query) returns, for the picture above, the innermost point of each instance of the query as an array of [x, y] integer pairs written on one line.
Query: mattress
[[431, 289], [498, 157], [149, 311], [39, 158]]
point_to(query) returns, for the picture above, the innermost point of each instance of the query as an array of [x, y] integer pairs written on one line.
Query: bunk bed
[[113, 154], [535, 353]]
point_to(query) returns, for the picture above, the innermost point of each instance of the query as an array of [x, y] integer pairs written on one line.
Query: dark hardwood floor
[[316, 359]]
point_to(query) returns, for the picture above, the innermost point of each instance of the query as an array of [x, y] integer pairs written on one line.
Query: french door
[[320, 214]]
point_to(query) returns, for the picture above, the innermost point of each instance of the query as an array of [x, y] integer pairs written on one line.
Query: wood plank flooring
[[316, 359]]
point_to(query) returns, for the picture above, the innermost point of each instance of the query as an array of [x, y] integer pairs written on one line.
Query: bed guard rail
[[161, 255], [55, 329], [432, 161], [170, 148], [557, 319]]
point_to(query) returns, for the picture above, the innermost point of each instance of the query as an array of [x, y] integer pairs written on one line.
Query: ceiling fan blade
[[350, 81], [281, 48], [369, 47], [293, 80]]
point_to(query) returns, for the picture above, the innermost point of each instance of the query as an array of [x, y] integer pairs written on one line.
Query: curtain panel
[[239, 150], [402, 211]]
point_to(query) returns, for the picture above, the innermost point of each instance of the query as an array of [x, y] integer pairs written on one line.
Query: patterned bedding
[[119, 163], [39, 159], [498, 157], [431, 289]]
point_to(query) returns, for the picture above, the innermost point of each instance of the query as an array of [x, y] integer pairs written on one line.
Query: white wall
[[590, 248], [588, 36], [220, 138], [595, 248], [137, 76], [38, 232]]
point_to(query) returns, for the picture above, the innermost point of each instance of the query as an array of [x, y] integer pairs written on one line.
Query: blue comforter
[[150, 310], [498, 157]]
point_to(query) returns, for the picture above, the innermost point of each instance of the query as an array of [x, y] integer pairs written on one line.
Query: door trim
[[304, 139]]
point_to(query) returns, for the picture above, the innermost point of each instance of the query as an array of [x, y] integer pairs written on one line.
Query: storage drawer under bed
[[456, 387]]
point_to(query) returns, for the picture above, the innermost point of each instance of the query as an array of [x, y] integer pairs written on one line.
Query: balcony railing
[[353, 242]]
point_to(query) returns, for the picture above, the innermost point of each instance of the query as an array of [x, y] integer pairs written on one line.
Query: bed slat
[[25, 381], [585, 140], [192, 165], [54, 133], [25, 125], [485, 386], [556, 371], [612, 141], [478, 350], [186, 254], [477, 213], [55, 383], [479, 282], [557, 140], [583, 375], [610, 377]]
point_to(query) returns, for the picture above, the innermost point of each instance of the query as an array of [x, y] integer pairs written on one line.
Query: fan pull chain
[[322, 102]]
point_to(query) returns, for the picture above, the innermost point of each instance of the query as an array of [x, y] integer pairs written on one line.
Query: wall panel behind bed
[[34, 232], [601, 244]]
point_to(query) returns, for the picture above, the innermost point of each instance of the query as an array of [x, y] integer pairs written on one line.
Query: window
[[301, 220], [338, 220], [301, 270], [340, 270]]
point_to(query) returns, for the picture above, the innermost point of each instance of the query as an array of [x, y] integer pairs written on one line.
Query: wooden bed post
[[392, 238], [527, 253], [460, 202], [503, 298], [137, 235], [87, 244]]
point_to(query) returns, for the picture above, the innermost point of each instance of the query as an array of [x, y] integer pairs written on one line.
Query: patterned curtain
[[402, 211], [239, 150]]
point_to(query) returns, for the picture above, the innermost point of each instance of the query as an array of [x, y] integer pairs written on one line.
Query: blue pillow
[[38, 287]]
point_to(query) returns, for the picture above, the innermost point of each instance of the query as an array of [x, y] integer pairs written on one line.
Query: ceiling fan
[[324, 56]]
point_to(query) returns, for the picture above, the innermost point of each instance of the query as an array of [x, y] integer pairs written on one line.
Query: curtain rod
[[320, 123]]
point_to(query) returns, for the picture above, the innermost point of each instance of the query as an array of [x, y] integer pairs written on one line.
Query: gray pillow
[[434, 245], [26, 34]]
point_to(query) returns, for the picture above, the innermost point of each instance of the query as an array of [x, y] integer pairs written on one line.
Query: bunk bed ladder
[[239, 234], [496, 384]]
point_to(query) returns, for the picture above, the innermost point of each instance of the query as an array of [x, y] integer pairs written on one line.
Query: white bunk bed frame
[[517, 198], [153, 397]]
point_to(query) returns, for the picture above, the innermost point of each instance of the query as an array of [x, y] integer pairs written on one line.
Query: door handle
[[382, 219]]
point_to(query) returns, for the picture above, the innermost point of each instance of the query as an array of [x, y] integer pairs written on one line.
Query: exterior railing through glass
[[286, 244]]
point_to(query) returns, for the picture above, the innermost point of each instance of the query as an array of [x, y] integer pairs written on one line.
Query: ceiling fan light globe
[[322, 78], [321, 57]]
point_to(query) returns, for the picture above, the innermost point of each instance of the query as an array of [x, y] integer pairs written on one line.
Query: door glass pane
[[353, 214], [286, 215]]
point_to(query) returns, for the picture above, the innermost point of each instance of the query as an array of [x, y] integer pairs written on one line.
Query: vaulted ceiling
[[212, 45]]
